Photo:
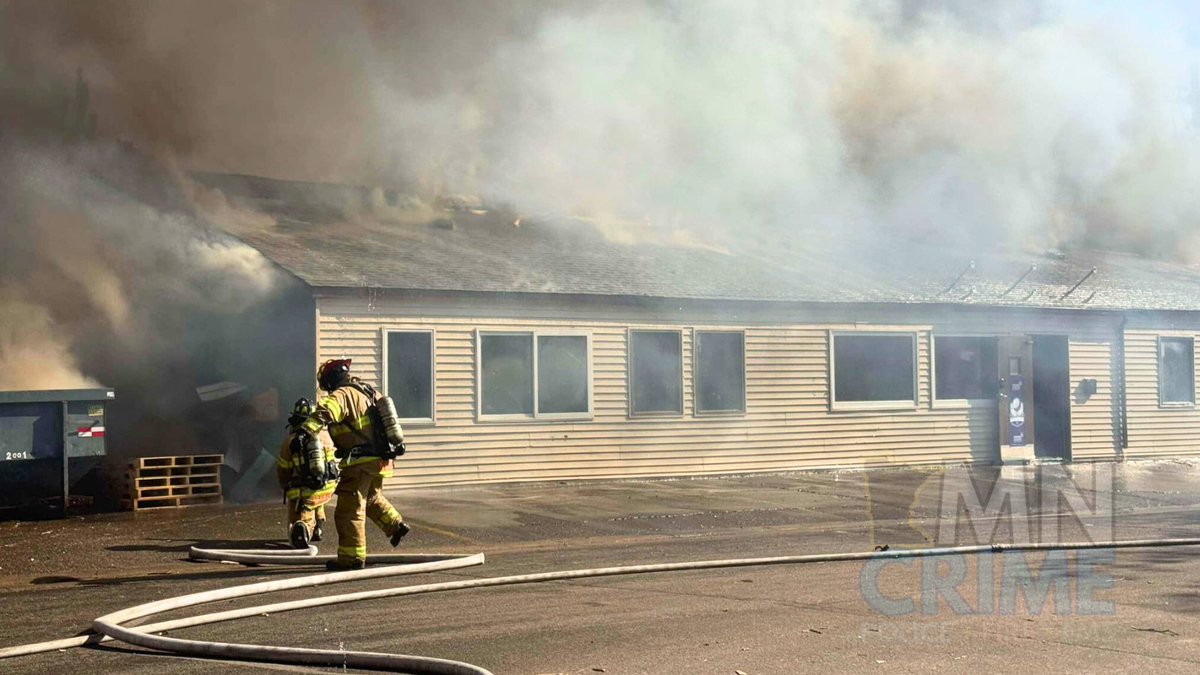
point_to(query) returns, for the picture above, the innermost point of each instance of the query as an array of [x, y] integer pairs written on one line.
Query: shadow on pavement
[[40, 581], [226, 572], [186, 544]]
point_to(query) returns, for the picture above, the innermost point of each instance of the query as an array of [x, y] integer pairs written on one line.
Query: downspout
[[1119, 390]]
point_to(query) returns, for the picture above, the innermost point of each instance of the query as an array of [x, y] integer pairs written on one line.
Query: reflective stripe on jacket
[[346, 413]]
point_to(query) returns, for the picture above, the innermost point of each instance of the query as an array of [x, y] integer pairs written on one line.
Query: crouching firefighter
[[366, 432], [308, 482]]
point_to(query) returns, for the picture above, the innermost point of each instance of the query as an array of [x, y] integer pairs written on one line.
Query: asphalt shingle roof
[[486, 251]]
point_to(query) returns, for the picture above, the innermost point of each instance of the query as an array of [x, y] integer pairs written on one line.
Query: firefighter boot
[[339, 566], [316, 535], [299, 535], [401, 530]]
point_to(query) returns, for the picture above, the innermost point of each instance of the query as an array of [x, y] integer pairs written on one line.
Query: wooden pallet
[[177, 461], [172, 482], [168, 502]]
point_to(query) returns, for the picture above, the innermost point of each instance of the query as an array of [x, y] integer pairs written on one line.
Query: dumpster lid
[[51, 395]]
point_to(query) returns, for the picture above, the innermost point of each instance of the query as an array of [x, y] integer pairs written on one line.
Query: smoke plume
[[1027, 123], [1010, 123], [112, 269], [31, 350], [1024, 123]]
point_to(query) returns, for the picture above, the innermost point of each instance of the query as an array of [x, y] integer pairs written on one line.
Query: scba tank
[[390, 420]]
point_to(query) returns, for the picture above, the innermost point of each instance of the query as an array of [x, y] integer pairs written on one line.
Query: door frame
[[1008, 346]]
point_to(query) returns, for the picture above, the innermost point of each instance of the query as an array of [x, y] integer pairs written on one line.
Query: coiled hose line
[[112, 626]]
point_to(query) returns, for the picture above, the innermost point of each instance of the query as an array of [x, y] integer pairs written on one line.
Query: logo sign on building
[[1016, 410]]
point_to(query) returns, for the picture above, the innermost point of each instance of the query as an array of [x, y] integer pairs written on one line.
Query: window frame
[[860, 406], [696, 379], [934, 401], [632, 373], [537, 416], [1158, 368], [384, 366]]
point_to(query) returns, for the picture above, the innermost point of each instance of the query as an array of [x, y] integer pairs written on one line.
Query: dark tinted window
[[720, 372], [873, 368], [965, 367], [506, 369], [1176, 370], [657, 371], [562, 374], [410, 373]]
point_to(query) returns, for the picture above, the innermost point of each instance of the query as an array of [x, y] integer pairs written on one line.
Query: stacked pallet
[[173, 482]]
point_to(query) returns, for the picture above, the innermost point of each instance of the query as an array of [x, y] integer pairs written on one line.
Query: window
[[562, 367], [1176, 371], [506, 374], [518, 380], [656, 372], [720, 372], [965, 367], [408, 377], [874, 369]]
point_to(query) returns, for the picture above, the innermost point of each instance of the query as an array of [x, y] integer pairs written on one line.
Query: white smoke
[[1020, 122], [1025, 123]]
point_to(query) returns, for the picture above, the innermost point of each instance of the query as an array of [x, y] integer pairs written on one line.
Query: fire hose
[[112, 626]]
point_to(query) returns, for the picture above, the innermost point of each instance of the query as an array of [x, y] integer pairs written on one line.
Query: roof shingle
[[485, 251]]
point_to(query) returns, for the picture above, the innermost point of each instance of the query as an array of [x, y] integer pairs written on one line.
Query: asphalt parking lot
[[1124, 610]]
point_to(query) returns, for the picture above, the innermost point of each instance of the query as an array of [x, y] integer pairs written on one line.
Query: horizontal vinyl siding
[[1093, 432], [788, 424], [1154, 431]]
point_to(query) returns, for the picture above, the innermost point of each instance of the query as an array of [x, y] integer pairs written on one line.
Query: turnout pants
[[360, 496], [303, 510]]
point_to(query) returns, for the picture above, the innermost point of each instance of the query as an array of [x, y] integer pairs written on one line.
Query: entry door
[[1052, 396], [1014, 355]]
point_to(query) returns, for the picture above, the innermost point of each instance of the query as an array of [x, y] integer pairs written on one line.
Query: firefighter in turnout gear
[[306, 504], [351, 413]]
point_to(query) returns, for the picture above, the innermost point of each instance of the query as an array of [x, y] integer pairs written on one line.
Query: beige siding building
[[1162, 418], [529, 351], [788, 419]]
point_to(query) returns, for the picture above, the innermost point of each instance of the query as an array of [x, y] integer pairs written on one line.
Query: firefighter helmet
[[301, 411], [332, 373]]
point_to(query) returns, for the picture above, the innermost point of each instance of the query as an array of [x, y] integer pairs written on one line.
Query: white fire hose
[[111, 626]]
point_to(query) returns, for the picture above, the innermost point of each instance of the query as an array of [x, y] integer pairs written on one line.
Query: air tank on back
[[391, 420]]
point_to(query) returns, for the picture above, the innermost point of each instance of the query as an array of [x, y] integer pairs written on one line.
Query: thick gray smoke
[[112, 273], [1028, 122], [1019, 123], [88, 264], [102, 281], [1025, 123]]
